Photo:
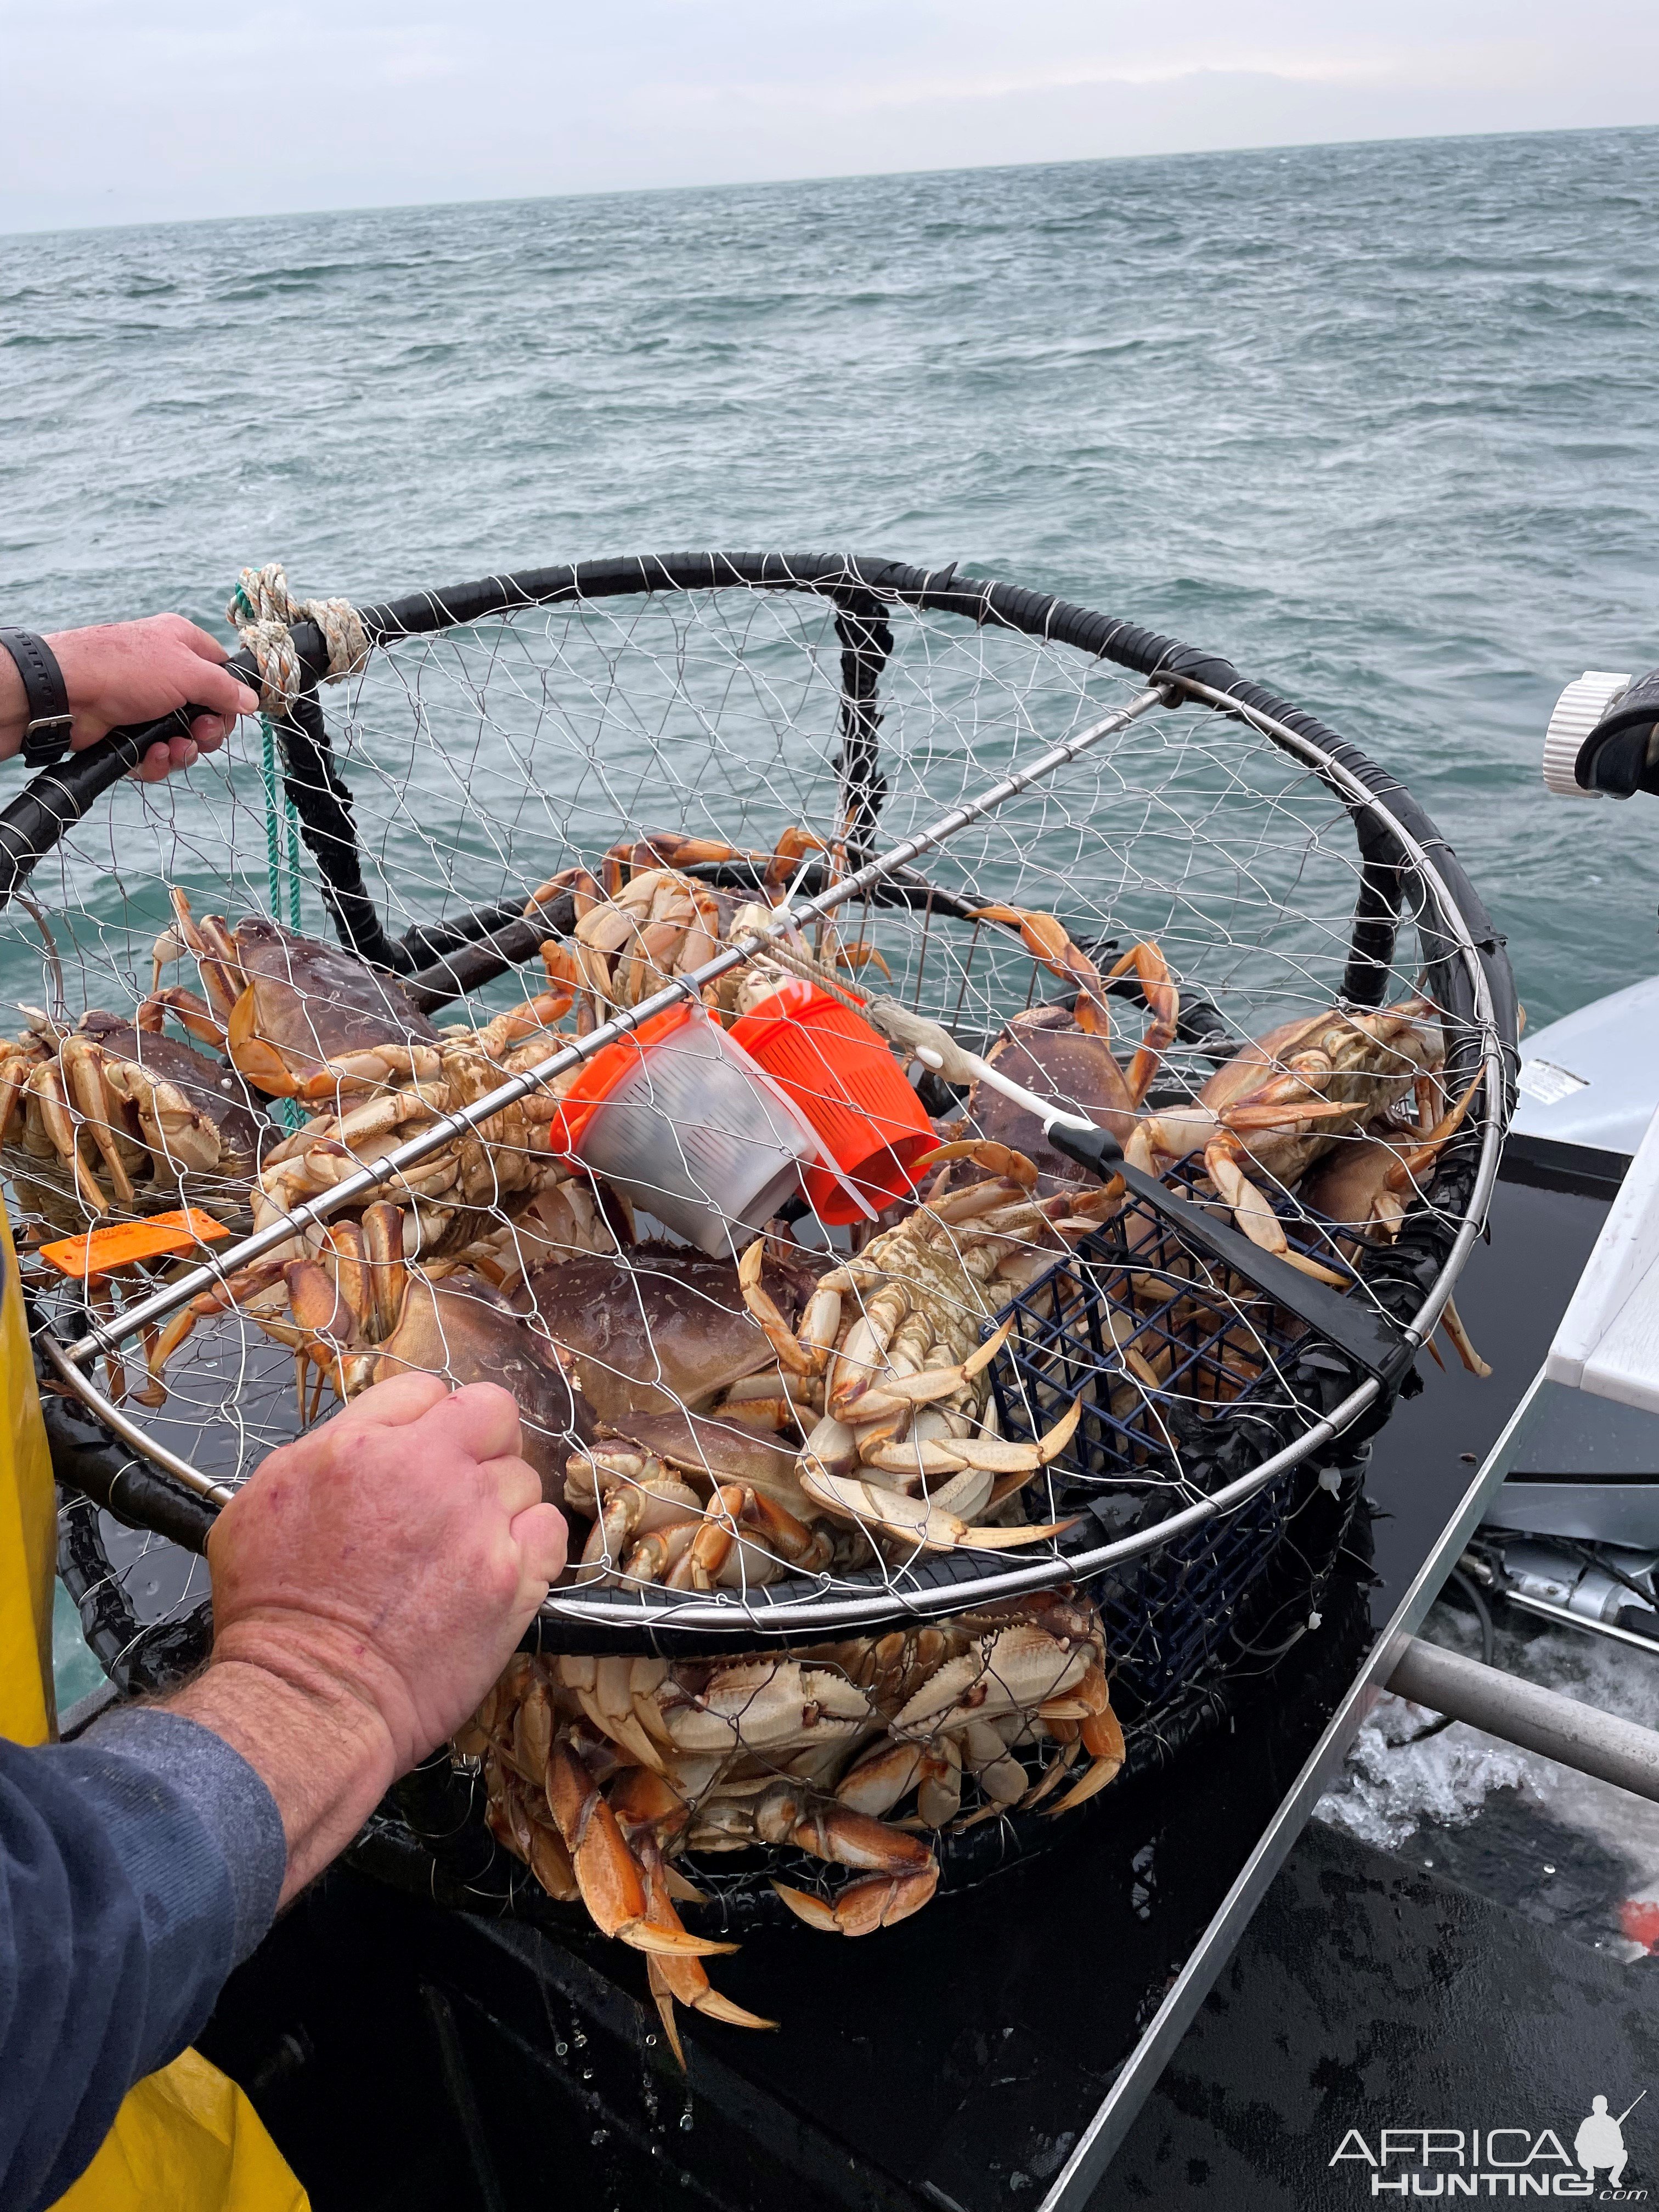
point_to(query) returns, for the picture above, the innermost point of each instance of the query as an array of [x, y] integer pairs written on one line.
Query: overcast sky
[[112, 112]]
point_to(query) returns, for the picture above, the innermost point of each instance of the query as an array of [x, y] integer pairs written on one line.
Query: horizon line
[[824, 177]]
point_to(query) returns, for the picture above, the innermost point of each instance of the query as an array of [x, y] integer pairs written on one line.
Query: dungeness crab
[[602, 1773], [151, 1110]]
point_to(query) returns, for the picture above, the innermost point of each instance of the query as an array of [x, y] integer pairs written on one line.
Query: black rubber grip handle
[[58, 798], [1366, 1337]]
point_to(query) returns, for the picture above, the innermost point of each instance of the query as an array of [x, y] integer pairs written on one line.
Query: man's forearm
[[323, 1755], [139, 1865]]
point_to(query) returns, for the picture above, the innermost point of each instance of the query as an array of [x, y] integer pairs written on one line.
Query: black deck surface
[[951, 2064], [1368, 1995]]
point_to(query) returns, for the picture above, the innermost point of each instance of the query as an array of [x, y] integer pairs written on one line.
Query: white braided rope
[[265, 611]]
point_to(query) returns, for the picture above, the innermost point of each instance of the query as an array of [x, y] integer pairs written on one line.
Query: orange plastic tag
[[101, 1249]]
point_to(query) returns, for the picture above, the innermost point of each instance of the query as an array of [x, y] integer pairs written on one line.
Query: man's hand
[[369, 1584], [137, 672]]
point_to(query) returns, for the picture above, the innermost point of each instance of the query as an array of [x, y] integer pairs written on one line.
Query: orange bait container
[[678, 1118], [843, 1077]]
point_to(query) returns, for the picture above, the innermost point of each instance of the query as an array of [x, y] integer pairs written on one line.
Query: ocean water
[[1380, 422]]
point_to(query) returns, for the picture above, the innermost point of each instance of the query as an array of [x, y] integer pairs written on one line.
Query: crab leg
[[188, 1008], [237, 1291], [949, 1455], [1452, 1321], [88, 1097], [1420, 1157], [607, 1873], [386, 1271], [584, 890], [1253, 1215], [14, 1069], [45, 1086], [709, 1548], [1163, 1001], [913, 1521], [886, 1776], [633, 1504], [1042, 934], [174, 1130], [808, 1352], [872, 1392], [524, 1020]]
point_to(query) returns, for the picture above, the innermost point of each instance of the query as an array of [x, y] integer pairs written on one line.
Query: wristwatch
[[46, 732]]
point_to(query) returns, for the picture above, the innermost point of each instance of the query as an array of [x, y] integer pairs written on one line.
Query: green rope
[[273, 818], [282, 835], [293, 866], [282, 843]]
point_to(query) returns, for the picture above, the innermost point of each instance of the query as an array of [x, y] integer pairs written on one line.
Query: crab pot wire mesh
[[650, 751]]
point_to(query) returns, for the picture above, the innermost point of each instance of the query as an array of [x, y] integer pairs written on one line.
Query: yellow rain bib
[[185, 2140]]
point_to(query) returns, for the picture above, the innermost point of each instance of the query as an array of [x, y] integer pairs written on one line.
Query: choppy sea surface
[[1380, 422]]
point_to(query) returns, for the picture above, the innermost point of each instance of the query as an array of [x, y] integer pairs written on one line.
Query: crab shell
[[313, 1004], [299, 1017], [210, 1125], [1045, 1052], [658, 1328]]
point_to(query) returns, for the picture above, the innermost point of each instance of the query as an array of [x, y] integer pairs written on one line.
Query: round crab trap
[[952, 1113]]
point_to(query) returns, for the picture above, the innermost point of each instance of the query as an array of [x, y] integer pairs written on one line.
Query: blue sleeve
[[137, 1867]]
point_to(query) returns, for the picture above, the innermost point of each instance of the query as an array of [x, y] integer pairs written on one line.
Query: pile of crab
[[807, 1408], [602, 1774]]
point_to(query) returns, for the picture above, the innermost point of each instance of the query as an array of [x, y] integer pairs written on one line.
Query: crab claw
[[685, 1979], [584, 890], [672, 1975], [853, 957], [607, 1873], [916, 1521], [984, 1152], [1102, 1739], [1253, 1215], [876, 1900], [255, 1059], [788, 854]]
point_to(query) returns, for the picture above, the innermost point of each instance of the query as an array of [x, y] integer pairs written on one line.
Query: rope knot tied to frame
[[264, 611]]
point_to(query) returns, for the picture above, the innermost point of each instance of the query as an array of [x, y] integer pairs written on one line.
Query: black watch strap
[[46, 733]]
